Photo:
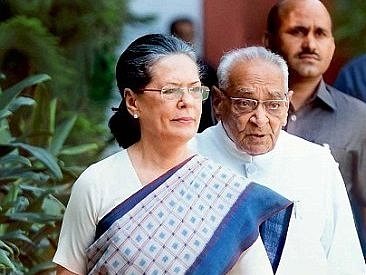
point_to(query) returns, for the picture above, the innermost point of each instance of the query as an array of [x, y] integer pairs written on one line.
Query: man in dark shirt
[[301, 31], [352, 78]]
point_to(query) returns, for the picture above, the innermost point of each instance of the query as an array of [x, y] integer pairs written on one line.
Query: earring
[[135, 116]]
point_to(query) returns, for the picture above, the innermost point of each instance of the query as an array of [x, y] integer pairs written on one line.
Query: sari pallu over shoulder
[[196, 219]]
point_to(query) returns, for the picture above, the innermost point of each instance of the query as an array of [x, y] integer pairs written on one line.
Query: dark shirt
[[208, 78], [352, 78], [338, 120]]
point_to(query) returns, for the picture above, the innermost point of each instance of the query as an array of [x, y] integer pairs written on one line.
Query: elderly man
[[301, 32], [318, 236]]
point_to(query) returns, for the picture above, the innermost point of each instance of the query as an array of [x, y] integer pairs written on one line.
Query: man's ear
[[131, 103], [289, 96], [267, 40], [217, 102]]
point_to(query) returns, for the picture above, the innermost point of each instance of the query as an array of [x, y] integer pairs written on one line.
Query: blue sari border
[[239, 230]]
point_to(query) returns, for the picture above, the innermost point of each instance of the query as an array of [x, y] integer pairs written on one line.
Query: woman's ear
[[217, 102], [131, 102]]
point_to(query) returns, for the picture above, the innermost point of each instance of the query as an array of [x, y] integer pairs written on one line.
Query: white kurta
[[321, 237]]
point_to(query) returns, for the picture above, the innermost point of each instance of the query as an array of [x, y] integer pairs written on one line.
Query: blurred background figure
[[185, 29], [352, 78]]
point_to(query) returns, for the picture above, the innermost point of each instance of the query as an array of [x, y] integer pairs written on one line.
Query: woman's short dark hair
[[133, 71]]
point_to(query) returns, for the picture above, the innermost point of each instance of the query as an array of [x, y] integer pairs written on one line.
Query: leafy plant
[[34, 180], [74, 42], [349, 27]]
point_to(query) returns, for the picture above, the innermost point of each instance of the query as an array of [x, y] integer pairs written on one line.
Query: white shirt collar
[[243, 156]]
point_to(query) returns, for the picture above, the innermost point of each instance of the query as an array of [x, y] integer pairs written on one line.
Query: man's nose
[[260, 116], [309, 41]]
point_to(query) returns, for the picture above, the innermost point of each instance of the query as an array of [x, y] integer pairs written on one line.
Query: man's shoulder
[[355, 63], [294, 145], [346, 101], [208, 134]]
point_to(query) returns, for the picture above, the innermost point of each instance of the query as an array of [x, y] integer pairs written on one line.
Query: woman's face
[[166, 120]]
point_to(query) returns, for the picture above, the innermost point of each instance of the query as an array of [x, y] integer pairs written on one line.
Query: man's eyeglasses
[[242, 105], [176, 93]]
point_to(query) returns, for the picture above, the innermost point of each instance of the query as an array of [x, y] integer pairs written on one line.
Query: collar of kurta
[[243, 156]]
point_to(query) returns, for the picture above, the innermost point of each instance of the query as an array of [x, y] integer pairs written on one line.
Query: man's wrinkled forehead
[[256, 76]]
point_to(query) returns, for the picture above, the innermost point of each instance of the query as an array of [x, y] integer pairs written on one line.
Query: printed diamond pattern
[[166, 231]]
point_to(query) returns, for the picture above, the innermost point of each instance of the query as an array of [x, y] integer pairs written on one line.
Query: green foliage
[[349, 26], [102, 77], [74, 42], [34, 179], [42, 153], [29, 37]]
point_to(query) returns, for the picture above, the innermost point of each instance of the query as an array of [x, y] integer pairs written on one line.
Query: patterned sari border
[[239, 229]]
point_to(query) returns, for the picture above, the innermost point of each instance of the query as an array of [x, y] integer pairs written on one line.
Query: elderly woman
[[156, 207]]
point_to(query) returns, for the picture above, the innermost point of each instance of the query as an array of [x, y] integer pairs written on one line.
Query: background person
[[301, 32], [351, 78], [157, 207], [318, 236]]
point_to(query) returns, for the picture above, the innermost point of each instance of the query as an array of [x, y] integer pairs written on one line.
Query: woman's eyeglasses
[[201, 92]]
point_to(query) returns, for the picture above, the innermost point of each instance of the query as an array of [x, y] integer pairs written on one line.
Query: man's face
[[304, 38], [185, 31], [254, 132]]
